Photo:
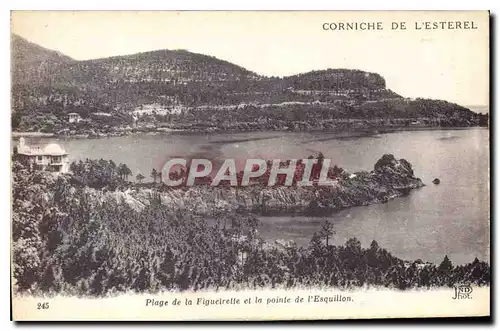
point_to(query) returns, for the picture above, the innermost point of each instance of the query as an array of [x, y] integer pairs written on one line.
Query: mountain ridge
[[182, 89], [17, 40]]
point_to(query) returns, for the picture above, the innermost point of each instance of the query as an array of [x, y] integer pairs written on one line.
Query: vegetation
[[98, 174], [139, 178], [66, 240], [336, 79], [326, 231], [195, 92]]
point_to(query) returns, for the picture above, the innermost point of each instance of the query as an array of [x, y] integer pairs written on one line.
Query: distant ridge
[[479, 108]]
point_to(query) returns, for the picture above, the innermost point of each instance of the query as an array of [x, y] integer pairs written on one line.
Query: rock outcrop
[[389, 179]]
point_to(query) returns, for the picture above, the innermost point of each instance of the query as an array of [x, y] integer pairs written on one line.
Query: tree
[[446, 265], [372, 255], [315, 244], [354, 245], [127, 171], [15, 120], [124, 171], [139, 177], [97, 173], [121, 171], [326, 230], [154, 174]]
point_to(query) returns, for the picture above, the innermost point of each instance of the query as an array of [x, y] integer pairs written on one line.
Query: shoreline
[[348, 133], [392, 178]]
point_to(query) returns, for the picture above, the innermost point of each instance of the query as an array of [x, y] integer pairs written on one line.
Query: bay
[[447, 219]]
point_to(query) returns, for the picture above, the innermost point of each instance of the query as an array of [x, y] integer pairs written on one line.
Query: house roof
[[49, 149], [54, 149]]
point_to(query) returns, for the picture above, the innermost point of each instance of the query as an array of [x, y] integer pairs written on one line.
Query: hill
[[178, 89], [31, 62], [336, 79]]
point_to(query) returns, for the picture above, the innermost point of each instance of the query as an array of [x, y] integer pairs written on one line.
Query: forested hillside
[[66, 239], [181, 90], [32, 64]]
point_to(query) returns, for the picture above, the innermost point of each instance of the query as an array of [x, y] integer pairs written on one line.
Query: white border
[[186, 5]]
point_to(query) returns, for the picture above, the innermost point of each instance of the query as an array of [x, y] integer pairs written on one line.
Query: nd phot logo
[[462, 292]]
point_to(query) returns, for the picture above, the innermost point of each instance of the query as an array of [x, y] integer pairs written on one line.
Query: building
[[74, 118], [50, 157], [100, 114]]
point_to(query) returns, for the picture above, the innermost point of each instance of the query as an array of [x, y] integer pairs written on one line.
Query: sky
[[441, 64]]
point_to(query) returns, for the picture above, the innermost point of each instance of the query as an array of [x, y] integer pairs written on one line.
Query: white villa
[[74, 117], [51, 157]]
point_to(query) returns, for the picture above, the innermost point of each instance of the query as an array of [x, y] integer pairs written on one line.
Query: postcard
[[249, 165]]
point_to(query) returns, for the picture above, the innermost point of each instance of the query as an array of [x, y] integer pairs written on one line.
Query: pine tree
[[446, 265], [126, 172], [326, 230], [154, 175], [374, 246]]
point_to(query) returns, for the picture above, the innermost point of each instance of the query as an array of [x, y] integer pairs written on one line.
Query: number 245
[[44, 305]]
